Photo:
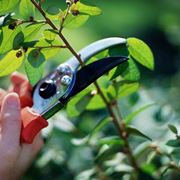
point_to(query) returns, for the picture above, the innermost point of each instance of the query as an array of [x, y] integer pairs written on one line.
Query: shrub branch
[[117, 120]]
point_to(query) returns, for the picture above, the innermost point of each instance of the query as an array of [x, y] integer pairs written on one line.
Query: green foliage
[[27, 9], [10, 62], [31, 31], [141, 52], [7, 5], [134, 131], [90, 147], [6, 19], [173, 128], [131, 116], [8, 38], [34, 66]]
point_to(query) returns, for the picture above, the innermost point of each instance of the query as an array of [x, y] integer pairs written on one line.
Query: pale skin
[[15, 157]]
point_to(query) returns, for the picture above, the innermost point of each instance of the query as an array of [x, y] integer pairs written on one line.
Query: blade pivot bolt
[[66, 80]]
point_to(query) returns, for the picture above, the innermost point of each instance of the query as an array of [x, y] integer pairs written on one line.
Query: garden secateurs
[[52, 92]]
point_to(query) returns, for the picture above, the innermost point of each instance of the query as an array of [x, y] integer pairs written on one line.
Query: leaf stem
[[46, 47], [64, 18]]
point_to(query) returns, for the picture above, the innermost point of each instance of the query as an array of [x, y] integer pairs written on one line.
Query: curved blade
[[90, 73]]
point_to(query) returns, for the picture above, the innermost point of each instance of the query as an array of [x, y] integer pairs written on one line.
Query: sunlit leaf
[[126, 88], [11, 62], [8, 38], [50, 35], [49, 52], [7, 5], [134, 131], [131, 116], [86, 9], [73, 22], [34, 66], [96, 103], [141, 52], [31, 31], [26, 9]]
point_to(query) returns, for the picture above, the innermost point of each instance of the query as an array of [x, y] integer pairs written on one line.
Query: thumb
[[11, 120]]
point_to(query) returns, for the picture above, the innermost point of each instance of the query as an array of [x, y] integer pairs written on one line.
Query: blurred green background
[[157, 22]]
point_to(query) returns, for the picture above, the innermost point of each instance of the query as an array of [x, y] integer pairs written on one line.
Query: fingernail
[[12, 101]]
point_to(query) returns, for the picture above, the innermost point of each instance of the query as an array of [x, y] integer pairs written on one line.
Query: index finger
[[17, 78]]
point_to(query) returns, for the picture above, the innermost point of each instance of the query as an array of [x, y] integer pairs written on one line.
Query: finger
[[28, 154], [2, 95], [17, 78], [10, 120]]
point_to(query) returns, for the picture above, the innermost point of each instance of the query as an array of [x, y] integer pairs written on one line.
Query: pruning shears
[[52, 92]]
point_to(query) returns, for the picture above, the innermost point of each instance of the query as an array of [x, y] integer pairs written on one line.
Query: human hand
[[16, 157]]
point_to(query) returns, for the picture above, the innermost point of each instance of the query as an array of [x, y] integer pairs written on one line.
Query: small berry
[[19, 54], [12, 26], [75, 12]]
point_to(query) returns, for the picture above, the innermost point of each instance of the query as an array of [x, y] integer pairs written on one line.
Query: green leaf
[[52, 10], [96, 103], [7, 5], [131, 116], [31, 31], [128, 71], [112, 140], [120, 50], [125, 88], [134, 131], [18, 40], [49, 52], [173, 128], [34, 66], [141, 52], [86, 9], [86, 175], [94, 131], [74, 107], [99, 126], [108, 153], [11, 62], [8, 38], [50, 35], [73, 22], [26, 9], [174, 143], [176, 153], [1, 36]]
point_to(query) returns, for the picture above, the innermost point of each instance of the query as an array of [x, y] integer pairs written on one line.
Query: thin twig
[[64, 18], [46, 47]]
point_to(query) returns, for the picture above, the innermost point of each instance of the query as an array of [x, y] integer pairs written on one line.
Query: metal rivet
[[66, 80]]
